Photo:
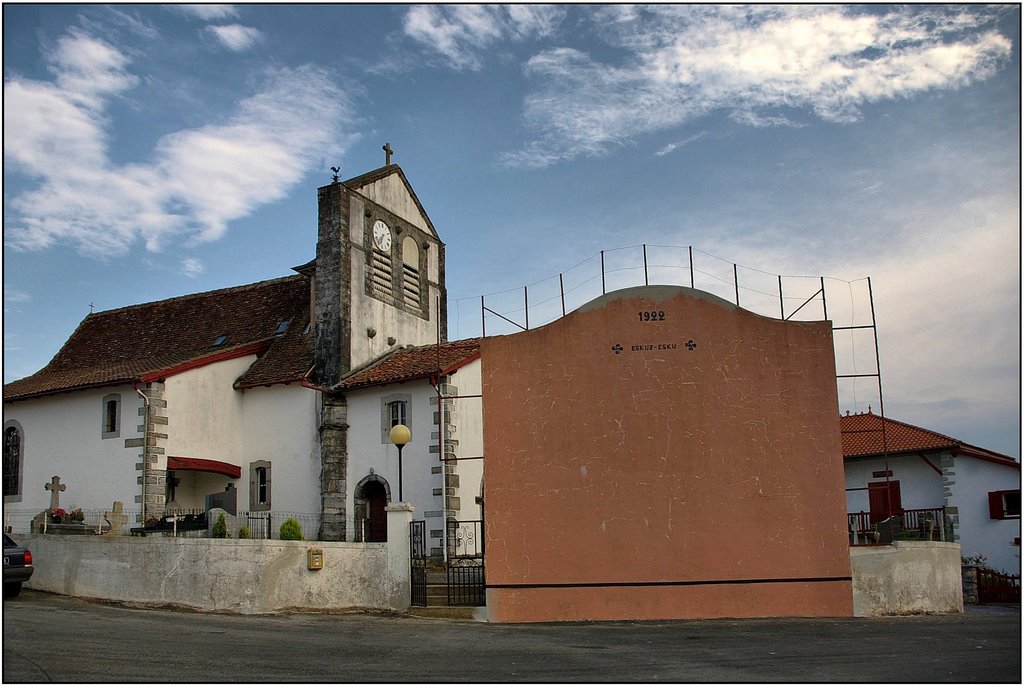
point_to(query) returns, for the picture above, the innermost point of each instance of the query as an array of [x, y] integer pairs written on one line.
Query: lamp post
[[400, 435]]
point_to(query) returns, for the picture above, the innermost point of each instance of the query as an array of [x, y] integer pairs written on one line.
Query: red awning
[[196, 464]]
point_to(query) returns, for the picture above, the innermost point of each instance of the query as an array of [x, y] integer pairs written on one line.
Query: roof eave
[[253, 348], [71, 389]]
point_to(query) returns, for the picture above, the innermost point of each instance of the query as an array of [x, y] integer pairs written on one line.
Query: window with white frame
[[394, 409], [259, 485], [111, 427]]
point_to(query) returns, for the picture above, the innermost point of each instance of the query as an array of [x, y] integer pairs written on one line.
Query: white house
[[917, 472]]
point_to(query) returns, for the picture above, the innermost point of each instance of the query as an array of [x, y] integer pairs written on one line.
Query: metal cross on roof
[[388, 152]]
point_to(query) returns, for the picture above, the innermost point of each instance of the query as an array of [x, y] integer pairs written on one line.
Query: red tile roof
[[198, 464], [408, 364], [862, 436], [129, 343]]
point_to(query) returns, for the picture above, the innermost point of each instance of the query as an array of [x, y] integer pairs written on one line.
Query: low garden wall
[[907, 577], [244, 576]]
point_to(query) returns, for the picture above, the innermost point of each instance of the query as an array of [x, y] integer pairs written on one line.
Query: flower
[[58, 512]]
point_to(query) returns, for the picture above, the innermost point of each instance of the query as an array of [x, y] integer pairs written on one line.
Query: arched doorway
[[371, 496]]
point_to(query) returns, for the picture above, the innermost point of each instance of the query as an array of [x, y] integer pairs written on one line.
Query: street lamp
[[400, 435]]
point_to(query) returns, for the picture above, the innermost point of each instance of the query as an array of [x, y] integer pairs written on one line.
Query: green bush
[[243, 532], [220, 527], [291, 530]]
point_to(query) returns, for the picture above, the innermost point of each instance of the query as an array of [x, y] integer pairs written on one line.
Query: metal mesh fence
[[259, 525]]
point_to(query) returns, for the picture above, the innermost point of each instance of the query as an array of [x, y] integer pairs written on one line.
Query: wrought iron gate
[[418, 560], [466, 580]]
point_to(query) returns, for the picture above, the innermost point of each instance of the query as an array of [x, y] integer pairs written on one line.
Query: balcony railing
[[928, 524]]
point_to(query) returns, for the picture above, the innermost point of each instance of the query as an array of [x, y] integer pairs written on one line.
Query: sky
[[152, 151]]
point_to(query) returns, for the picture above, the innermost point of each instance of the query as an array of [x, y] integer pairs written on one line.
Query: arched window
[[12, 461]]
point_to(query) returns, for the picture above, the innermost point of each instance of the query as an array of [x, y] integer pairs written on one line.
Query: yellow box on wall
[[315, 558]]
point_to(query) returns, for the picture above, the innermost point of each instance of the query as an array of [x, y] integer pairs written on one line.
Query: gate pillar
[[399, 568]]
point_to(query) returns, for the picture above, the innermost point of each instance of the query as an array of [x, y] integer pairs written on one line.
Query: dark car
[[17, 566]]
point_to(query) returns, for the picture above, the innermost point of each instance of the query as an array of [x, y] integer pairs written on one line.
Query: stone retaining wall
[[243, 576], [907, 577]]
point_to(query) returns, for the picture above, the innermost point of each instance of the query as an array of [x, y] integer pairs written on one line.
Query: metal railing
[[926, 524], [261, 525], [465, 538]]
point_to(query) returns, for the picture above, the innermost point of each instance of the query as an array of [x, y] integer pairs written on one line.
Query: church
[[280, 393]]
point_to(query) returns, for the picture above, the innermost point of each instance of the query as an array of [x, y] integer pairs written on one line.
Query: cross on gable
[[55, 487], [388, 152]]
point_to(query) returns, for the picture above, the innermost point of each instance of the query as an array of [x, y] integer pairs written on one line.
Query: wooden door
[[884, 500]]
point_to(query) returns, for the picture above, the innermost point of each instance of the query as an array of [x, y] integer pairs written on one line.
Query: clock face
[[381, 235]]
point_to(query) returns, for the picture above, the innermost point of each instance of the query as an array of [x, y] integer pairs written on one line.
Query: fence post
[[646, 282], [399, 566], [970, 582]]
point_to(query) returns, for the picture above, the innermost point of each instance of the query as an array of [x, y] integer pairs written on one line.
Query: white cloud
[[198, 180], [672, 147], [192, 267], [12, 296], [208, 12], [460, 33], [235, 36], [683, 62]]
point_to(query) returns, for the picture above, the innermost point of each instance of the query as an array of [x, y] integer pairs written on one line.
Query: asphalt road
[[55, 638]]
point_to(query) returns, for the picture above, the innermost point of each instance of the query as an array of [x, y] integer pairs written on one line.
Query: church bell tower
[[378, 286], [379, 272]]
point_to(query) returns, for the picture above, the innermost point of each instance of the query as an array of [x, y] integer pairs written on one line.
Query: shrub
[[243, 532], [978, 560], [291, 530], [220, 527]]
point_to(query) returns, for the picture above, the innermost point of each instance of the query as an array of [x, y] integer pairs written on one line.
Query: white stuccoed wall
[[469, 432], [368, 450], [205, 414], [63, 436], [979, 533], [243, 576], [920, 485], [279, 424]]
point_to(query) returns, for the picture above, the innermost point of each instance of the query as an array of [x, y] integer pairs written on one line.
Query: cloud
[[197, 181], [461, 33], [683, 62], [12, 296], [235, 36], [671, 147], [208, 12], [192, 267]]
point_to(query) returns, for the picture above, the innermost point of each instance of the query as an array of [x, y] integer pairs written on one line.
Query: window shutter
[[995, 504]]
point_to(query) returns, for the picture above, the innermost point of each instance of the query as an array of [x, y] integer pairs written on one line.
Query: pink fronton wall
[[661, 453]]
